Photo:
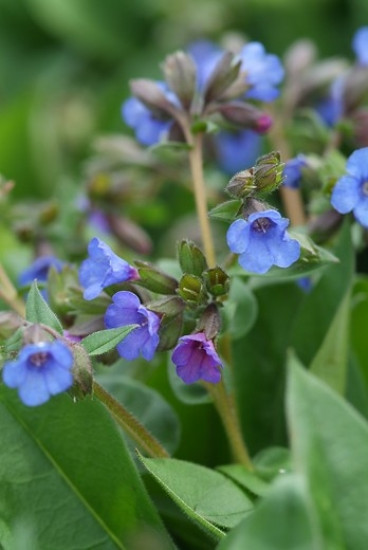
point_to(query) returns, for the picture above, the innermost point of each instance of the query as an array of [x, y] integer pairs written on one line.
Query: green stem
[[225, 406], [130, 424]]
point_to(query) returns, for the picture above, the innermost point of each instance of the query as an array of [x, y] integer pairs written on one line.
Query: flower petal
[[34, 390], [257, 258], [14, 373], [361, 212], [345, 194], [238, 236], [57, 379]]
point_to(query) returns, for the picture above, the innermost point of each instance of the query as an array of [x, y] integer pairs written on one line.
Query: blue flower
[[331, 108], [293, 171], [39, 270], [262, 241], [127, 310], [148, 126], [351, 191], [360, 45], [41, 370], [103, 268], [263, 72], [237, 150], [196, 359], [206, 56]]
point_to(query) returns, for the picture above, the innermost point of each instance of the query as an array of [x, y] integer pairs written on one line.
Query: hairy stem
[[130, 424], [225, 406]]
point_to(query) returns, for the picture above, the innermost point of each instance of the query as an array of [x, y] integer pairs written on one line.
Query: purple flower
[[127, 310], [293, 171], [39, 270], [360, 45], [262, 241], [196, 359], [351, 191], [103, 268], [41, 370], [149, 127], [237, 150], [263, 72]]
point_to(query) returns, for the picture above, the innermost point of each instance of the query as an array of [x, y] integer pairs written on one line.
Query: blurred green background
[[65, 65]]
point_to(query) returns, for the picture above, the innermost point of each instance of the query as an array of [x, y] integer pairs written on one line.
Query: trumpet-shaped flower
[[41, 370], [262, 241], [126, 309], [103, 268], [350, 193], [39, 270], [196, 359]]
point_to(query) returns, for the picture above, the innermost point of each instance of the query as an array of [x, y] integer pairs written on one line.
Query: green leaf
[[241, 309], [310, 329], [64, 469], [104, 340], [330, 448], [147, 405], [206, 496], [38, 310], [330, 361], [244, 478], [272, 461], [226, 211], [282, 521]]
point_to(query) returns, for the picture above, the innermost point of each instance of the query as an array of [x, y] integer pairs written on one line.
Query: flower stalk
[[9, 294], [129, 423]]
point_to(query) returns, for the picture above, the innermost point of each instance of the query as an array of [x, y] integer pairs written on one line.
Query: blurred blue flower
[[196, 359], [206, 55], [360, 45], [237, 150], [264, 72], [351, 191], [126, 309], [293, 171], [262, 241], [331, 108], [103, 268], [149, 128], [41, 370], [39, 270]]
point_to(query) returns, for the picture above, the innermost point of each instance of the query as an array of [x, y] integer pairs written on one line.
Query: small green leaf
[[241, 309], [104, 340], [226, 211], [206, 496], [38, 310]]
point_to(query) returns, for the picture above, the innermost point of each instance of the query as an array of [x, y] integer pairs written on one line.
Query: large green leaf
[[206, 496], [321, 305], [259, 365], [331, 360], [65, 471], [282, 521], [330, 449]]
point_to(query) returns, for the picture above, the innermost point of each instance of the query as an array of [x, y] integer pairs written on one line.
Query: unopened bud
[[245, 115], [191, 258], [129, 234], [180, 74], [169, 306], [191, 289], [224, 74], [170, 331], [149, 93], [210, 322], [154, 279], [268, 172], [217, 281], [252, 205], [242, 184]]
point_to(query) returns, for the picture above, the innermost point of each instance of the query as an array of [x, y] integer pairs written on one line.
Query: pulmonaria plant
[[39, 270], [40, 371], [262, 241], [102, 269], [350, 193]]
